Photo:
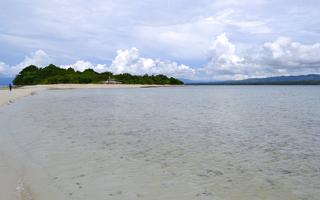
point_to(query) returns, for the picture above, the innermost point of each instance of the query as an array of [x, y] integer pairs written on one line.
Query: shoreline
[[7, 97]]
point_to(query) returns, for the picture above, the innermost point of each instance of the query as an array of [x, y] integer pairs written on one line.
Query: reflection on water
[[206, 142]]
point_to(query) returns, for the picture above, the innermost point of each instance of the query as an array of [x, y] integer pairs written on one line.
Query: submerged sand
[[16, 170], [178, 143], [8, 97]]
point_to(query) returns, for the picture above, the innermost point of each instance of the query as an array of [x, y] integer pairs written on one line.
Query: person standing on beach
[[10, 87]]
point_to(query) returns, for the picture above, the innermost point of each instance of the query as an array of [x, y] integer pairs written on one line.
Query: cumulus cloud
[[285, 53], [280, 57], [224, 62], [81, 65], [126, 61], [190, 39], [130, 61], [223, 53], [38, 58], [175, 30]]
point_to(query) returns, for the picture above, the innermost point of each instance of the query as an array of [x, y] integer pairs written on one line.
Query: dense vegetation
[[33, 75]]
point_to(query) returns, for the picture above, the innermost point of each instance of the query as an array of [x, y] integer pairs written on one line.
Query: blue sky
[[201, 40]]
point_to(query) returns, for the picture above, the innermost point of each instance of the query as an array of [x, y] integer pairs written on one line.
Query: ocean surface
[[5, 81], [194, 142]]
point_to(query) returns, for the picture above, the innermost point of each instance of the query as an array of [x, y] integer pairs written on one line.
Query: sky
[[197, 40]]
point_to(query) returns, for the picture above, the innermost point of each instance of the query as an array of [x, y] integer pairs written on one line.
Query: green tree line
[[33, 75]]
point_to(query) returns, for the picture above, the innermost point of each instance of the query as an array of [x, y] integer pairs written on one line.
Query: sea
[[5, 81], [189, 142]]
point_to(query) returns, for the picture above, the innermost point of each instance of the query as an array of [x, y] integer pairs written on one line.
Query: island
[[52, 74]]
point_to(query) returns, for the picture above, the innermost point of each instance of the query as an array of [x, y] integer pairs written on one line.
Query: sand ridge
[[8, 97]]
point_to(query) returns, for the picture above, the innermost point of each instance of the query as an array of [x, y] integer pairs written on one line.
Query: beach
[[181, 143], [159, 100]]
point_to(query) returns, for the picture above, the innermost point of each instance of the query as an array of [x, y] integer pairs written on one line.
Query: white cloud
[[224, 62], [126, 61], [223, 52], [38, 58], [281, 57], [81, 65], [129, 61], [190, 39], [170, 30], [285, 53]]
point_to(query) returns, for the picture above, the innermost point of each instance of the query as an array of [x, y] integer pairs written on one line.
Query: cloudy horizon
[[203, 40]]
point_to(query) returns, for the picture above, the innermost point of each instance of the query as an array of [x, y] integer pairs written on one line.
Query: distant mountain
[[5, 81], [311, 79], [188, 81]]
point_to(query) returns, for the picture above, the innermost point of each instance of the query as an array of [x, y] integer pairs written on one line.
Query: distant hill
[[189, 81], [311, 79]]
